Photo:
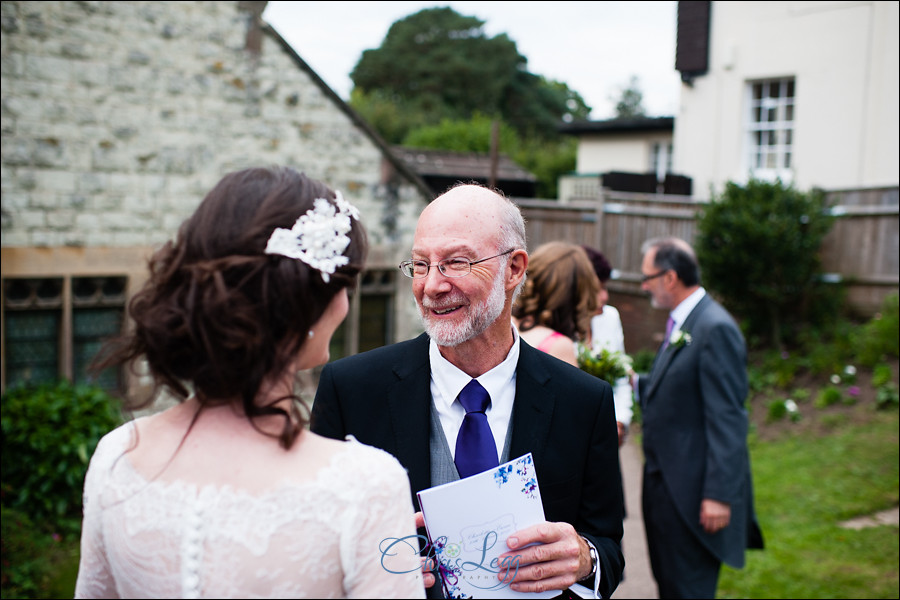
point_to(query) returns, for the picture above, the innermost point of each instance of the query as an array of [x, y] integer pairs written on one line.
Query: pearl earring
[[312, 333]]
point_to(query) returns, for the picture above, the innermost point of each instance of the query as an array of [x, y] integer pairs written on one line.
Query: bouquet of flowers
[[603, 363]]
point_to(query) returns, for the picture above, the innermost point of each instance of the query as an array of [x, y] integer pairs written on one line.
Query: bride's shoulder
[[352, 457], [115, 439]]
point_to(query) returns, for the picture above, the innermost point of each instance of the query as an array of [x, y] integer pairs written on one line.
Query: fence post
[[598, 220]]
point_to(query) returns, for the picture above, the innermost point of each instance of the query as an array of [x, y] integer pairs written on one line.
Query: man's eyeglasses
[[449, 267], [647, 278]]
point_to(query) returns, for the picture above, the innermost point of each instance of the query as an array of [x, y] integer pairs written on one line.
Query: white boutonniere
[[680, 338]]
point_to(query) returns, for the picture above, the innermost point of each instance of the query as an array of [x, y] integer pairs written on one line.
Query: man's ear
[[518, 264], [670, 280]]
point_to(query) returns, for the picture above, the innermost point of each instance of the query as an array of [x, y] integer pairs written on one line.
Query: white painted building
[[804, 91]]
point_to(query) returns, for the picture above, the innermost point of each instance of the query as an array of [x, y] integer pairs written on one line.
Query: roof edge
[[628, 124], [354, 116]]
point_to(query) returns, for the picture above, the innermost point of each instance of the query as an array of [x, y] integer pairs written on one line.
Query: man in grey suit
[[468, 264], [697, 491]]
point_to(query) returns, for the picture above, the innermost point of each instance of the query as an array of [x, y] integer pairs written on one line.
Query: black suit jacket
[[562, 415]]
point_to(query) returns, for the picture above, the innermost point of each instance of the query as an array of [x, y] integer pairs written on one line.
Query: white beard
[[480, 317]]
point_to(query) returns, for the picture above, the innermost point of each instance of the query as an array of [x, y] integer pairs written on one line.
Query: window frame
[[68, 303], [770, 141]]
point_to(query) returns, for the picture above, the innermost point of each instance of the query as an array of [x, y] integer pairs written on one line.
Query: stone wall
[[118, 117]]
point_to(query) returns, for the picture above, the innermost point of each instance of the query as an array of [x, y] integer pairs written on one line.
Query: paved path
[[639, 582]]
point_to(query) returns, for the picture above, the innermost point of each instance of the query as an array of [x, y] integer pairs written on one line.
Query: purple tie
[[669, 325], [475, 447]]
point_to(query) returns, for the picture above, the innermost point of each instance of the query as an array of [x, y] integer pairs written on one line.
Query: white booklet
[[468, 521]]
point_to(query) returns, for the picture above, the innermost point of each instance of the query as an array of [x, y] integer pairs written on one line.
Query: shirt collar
[[450, 380], [681, 312]]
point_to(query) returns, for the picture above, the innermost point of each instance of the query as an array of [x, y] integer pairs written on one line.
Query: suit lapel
[[664, 357], [409, 401], [533, 408]]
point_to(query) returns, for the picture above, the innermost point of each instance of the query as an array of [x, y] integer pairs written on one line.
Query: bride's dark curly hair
[[218, 317]]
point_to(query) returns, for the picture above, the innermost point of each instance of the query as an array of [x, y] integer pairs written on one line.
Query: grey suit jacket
[[562, 415], [694, 426]]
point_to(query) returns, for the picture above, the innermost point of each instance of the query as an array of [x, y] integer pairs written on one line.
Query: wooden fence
[[861, 249]]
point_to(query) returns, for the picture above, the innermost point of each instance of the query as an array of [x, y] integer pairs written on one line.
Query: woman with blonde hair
[[555, 307]]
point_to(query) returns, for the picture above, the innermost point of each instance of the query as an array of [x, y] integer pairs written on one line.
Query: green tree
[[630, 101], [437, 64], [462, 135], [438, 81], [546, 160], [758, 246]]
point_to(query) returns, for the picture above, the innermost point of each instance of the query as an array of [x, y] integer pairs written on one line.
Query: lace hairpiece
[[319, 237]]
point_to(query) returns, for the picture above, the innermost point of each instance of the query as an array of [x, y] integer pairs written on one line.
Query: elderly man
[[468, 263]]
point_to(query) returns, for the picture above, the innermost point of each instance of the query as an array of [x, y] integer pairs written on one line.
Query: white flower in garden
[[836, 379]]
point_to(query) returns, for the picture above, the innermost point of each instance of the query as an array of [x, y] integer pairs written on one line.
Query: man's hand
[[623, 431], [714, 515], [559, 558], [427, 563]]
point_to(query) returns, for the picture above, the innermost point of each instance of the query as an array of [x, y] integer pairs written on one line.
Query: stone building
[[117, 118]]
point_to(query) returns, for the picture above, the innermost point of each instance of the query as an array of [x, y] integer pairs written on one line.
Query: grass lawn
[[840, 464]]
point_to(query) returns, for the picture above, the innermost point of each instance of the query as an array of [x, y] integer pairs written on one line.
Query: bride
[[228, 494]]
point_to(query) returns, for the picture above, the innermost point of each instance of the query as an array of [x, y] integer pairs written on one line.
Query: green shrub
[[777, 410], [37, 562], [781, 408], [887, 396], [642, 360], [828, 396], [760, 380], [881, 375], [759, 248], [50, 432], [879, 338], [800, 394]]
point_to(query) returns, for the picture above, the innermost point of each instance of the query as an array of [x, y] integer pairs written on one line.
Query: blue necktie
[[475, 447]]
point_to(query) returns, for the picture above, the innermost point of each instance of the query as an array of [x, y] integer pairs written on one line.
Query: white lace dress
[[320, 538]]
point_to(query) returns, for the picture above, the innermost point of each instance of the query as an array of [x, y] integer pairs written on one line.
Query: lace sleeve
[[95, 578], [380, 549]]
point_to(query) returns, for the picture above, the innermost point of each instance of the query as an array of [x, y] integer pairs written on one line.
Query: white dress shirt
[[447, 381], [680, 313]]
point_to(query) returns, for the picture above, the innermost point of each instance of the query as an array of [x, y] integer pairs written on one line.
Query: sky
[[593, 47]]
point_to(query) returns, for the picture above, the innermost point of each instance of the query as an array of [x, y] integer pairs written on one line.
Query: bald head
[[474, 214]]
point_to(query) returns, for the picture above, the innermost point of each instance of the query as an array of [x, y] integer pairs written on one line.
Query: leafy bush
[[879, 337], [881, 375], [800, 394], [50, 432], [887, 396], [642, 360], [759, 247], [828, 396], [777, 410], [37, 562]]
